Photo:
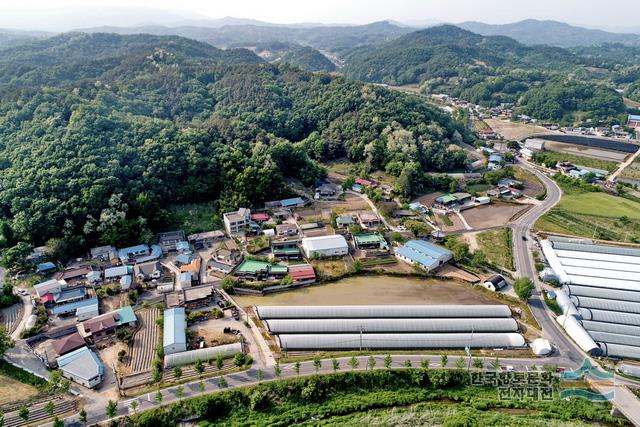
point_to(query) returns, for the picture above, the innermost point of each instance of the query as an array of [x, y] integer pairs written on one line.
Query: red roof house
[[260, 217], [302, 273], [69, 343]]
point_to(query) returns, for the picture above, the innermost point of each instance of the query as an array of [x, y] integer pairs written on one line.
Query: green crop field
[[600, 204]]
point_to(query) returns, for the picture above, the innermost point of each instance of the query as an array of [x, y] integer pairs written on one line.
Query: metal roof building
[[325, 246], [316, 326], [382, 311], [425, 254], [82, 366], [174, 339], [400, 341]]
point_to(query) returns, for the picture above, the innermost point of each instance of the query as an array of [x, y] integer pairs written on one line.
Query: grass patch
[[347, 398], [552, 304], [600, 204], [195, 217], [589, 162], [446, 220], [12, 389], [478, 188], [497, 247]]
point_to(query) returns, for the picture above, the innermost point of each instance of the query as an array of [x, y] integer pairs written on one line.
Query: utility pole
[[360, 338]]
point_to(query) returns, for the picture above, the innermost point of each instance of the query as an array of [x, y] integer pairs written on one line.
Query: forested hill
[[553, 33], [447, 51], [305, 57], [544, 82], [97, 140]]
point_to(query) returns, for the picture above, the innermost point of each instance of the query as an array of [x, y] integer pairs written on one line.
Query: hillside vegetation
[[545, 82], [100, 133]]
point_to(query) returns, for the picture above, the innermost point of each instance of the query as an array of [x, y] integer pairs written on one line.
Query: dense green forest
[[99, 133], [494, 70]]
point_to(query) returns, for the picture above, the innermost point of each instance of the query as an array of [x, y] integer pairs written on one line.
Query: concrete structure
[[82, 366], [325, 246], [237, 222], [424, 254], [174, 339]]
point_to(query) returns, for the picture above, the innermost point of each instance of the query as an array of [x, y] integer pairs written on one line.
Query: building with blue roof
[[72, 307], [174, 337], [82, 366], [295, 202], [424, 254], [125, 316], [46, 267]]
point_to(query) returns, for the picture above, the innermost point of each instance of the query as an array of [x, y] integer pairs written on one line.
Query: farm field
[[594, 215], [493, 215], [11, 389], [496, 245], [533, 187]]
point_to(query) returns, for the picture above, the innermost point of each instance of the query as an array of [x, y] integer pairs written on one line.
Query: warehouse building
[[424, 254], [174, 339], [401, 327], [325, 246]]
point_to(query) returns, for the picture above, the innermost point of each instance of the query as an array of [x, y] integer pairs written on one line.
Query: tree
[[219, 361], [111, 409], [6, 342], [424, 363], [353, 363], [523, 287], [407, 363], [1, 419], [50, 408], [201, 386], [82, 415], [14, 258], [387, 361], [277, 370], [57, 422], [199, 367], [296, 367], [158, 397], [177, 373], [133, 405], [317, 363], [222, 382], [239, 359], [478, 363], [495, 364], [24, 413], [259, 375], [460, 363], [371, 363], [335, 364], [443, 360]]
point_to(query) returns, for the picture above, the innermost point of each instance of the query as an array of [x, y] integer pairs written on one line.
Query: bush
[[523, 287]]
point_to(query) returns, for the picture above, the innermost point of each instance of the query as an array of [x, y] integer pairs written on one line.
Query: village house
[[168, 240], [286, 229], [369, 220], [345, 221], [208, 238], [147, 271], [104, 253], [237, 222]]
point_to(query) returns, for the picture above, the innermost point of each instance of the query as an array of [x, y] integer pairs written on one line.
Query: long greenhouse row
[[600, 298], [391, 327]]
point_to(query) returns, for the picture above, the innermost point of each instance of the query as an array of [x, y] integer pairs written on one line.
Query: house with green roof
[[370, 241]]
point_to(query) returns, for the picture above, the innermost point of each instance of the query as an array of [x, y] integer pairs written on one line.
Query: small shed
[[495, 283]]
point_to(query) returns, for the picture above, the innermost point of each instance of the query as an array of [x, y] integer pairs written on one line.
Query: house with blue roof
[[426, 255], [174, 337], [82, 366], [46, 267]]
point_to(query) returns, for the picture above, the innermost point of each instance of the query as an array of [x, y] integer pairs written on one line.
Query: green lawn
[[600, 204], [477, 188], [194, 217], [589, 162], [497, 247], [594, 215]]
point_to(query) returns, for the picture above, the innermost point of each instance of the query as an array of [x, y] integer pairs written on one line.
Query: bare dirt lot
[[212, 332], [428, 199], [513, 130], [492, 215], [457, 224]]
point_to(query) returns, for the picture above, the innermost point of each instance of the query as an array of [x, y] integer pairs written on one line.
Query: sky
[[61, 15]]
